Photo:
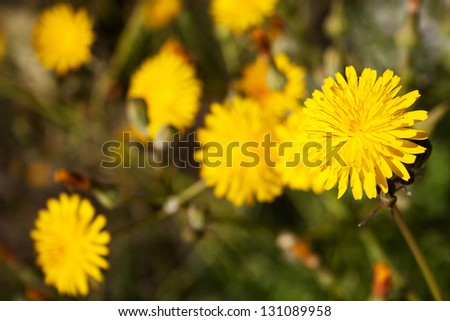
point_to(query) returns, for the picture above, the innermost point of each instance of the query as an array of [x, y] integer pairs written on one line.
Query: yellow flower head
[[234, 159], [159, 13], [62, 38], [167, 84], [70, 244], [238, 15], [262, 83], [366, 121]]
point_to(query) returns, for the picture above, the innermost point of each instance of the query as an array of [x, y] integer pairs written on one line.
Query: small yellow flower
[[62, 38], [234, 159], [239, 16], [167, 84], [70, 244], [159, 13], [365, 119], [259, 82]]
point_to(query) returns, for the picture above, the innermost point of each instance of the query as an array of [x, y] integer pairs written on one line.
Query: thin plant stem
[[191, 192], [408, 40], [230, 51], [123, 51], [186, 195], [127, 41], [417, 253]]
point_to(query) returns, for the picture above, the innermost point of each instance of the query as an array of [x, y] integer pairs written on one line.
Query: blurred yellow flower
[[62, 38], [70, 244], [278, 90], [167, 84], [238, 15], [159, 13], [364, 119], [295, 160], [173, 45], [234, 158]]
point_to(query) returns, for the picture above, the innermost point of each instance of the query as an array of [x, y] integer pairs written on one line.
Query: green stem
[[420, 259], [124, 49], [230, 51], [180, 199], [408, 40], [191, 192], [128, 39]]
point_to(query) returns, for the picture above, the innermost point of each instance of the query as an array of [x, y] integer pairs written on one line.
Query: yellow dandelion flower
[[167, 84], [364, 122], [296, 160], [257, 84], [235, 159], [254, 80], [70, 244], [159, 13], [239, 16], [62, 38]]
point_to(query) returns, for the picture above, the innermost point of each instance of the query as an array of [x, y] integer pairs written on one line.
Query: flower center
[[67, 42]]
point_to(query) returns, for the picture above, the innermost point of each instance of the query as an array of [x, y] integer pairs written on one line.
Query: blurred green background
[[49, 122]]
